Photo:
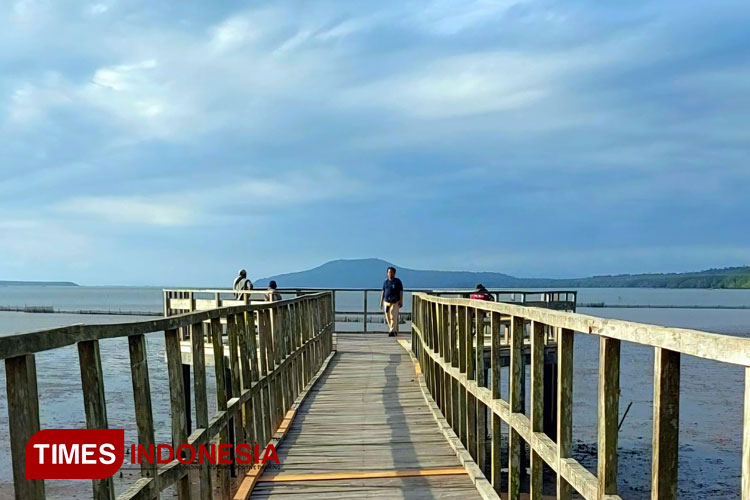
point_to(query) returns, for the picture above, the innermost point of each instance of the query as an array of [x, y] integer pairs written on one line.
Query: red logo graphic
[[74, 453]]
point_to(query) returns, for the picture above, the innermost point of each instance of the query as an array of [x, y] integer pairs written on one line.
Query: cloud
[[130, 210], [217, 204], [593, 122]]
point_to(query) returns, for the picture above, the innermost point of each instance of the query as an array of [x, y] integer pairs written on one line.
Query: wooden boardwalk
[[365, 431]]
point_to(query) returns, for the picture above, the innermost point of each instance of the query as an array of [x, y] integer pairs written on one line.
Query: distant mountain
[[37, 283], [370, 273], [360, 273]]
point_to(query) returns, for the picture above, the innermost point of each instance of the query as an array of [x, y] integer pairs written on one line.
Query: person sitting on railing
[[271, 294], [242, 283], [481, 293]]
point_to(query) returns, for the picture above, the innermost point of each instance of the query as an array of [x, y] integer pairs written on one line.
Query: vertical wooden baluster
[[481, 409], [455, 385], [142, 399], [437, 348], [495, 387], [237, 430], [462, 335], [197, 341], [221, 397], [177, 402], [298, 326], [428, 345], [253, 318], [665, 438], [283, 352], [297, 344], [92, 384], [447, 355], [263, 339], [564, 406], [23, 421], [471, 401], [516, 406], [537, 403], [609, 401], [278, 382], [247, 408], [746, 440]]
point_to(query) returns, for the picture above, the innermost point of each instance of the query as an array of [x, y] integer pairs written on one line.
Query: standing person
[[481, 293], [242, 283], [271, 294], [393, 297]]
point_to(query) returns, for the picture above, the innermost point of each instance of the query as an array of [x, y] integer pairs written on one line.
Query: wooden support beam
[[746, 440], [23, 421], [177, 402], [609, 404], [516, 406], [479, 370], [142, 401], [495, 391], [445, 319], [665, 438], [462, 392], [471, 401], [197, 342], [95, 404], [564, 407], [537, 404], [221, 399]]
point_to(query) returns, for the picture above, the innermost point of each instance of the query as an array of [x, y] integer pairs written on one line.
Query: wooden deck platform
[[365, 431]]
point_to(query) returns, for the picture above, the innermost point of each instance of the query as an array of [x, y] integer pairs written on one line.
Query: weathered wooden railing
[[274, 351], [183, 300], [443, 332]]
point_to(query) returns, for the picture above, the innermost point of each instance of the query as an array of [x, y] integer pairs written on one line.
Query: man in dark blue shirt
[[393, 297]]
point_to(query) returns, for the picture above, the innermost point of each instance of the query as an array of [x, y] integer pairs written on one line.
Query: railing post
[[221, 397], [142, 400], [447, 354], [23, 421], [665, 438], [364, 314], [462, 334], [516, 406], [177, 402], [495, 391], [537, 402], [471, 401], [197, 341], [92, 384], [609, 402], [564, 406], [481, 411], [746, 440]]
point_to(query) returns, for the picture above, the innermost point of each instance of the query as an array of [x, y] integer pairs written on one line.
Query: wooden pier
[[364, 415]]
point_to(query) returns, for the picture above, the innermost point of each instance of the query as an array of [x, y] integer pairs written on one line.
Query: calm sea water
[[711, 393]]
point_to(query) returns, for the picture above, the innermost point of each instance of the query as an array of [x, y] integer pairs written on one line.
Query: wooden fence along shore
[[275, 349], [443, 339]]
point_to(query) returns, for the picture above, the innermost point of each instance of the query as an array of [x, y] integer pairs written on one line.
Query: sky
[[153, 142]]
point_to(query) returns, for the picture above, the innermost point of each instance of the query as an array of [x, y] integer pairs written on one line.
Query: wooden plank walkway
[[365, 431]]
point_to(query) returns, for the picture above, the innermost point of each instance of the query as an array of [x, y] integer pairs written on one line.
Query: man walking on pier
[[393, 297]]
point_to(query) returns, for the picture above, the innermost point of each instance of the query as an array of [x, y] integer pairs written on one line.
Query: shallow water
[[711, 393]]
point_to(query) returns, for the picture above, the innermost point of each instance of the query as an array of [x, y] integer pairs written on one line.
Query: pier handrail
[[184, 297], [454, 371], [275, 348]]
